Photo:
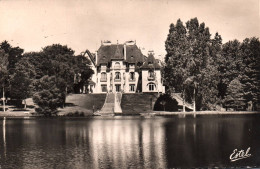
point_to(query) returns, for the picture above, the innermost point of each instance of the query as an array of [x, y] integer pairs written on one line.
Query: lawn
[[83, 103]]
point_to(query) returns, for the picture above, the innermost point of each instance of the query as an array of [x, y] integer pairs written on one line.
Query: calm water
[[128, 142]]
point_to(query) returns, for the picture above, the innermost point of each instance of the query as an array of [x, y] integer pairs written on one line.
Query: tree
[[49, 95], [234, 97], [21, 81], [250, 70], [81, 67], [3, 74], [230, 65], [177, 52], [188, 56], [14, 54], [59, 62]]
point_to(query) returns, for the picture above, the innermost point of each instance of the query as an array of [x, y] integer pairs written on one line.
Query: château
[[123, 68]]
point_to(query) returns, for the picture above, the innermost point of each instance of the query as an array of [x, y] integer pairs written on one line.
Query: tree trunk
[[194, 101], [66, 92], [4, 98], [183, 101]]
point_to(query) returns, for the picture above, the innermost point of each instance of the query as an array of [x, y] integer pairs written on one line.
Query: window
[[151, 73], [118, 88], [132, 75], [132, 66], [104, 88], [117, 77], [151, 86], [117, 65], [103, 77], [132, 88]]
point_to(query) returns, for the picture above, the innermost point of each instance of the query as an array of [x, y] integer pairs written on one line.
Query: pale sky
[[82, 24]]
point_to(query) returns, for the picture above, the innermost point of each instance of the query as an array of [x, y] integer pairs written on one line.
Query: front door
[[118, 88]]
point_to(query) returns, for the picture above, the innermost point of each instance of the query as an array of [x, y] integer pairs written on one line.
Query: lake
[[129, 142]]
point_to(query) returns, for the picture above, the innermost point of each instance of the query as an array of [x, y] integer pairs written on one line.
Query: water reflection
[[4, 140], [125, 143], [128, 142]]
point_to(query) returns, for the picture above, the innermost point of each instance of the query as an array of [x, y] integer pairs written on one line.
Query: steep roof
[[134, 54], [151, 63], [106, 53], [91, 56], [118, 54]]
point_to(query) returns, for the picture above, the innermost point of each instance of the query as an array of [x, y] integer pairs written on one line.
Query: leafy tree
[[230, 65], [14, 54], [81, 67], [57, 60], [250, 51], [234, 97], [60, 62], [21, 80], [177, 52], [3, 73], [50, 96], [188, 56]]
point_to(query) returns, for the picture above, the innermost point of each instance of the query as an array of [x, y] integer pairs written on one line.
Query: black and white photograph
[[147, 84]]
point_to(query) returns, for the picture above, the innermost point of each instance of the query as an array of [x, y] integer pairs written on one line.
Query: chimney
[[124, 51]]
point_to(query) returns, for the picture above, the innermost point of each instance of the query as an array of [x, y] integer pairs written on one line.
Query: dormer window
[[151, 73], [117, 65], [150, 63]]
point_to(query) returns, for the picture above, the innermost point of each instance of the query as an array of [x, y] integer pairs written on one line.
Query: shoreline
[[153, 113], [162, 113]]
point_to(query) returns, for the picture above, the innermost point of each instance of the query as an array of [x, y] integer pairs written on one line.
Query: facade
[[123, 68]]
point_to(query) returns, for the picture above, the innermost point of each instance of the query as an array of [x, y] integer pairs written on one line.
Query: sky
[[83, 24]]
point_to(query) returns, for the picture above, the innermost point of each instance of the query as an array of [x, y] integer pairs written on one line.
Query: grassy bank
[[82, 103]]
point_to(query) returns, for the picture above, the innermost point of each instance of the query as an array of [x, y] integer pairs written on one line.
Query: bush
[[49, 97]]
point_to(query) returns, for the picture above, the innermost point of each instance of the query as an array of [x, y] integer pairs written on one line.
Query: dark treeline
[[211, 73], [46, 76]]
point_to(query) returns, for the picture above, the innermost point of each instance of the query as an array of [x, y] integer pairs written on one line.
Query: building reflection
[[121, 143]]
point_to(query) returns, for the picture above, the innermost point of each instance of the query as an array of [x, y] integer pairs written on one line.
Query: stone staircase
[[108, 107], [179, 99], [117, 108]]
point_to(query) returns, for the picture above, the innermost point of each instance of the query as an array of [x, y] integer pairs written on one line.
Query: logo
[[238, 155]]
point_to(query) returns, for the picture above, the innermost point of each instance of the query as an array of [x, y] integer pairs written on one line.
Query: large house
[[123, 68]]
